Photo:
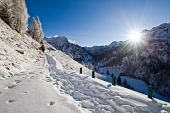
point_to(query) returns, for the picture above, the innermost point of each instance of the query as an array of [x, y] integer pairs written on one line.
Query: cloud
[[52, 36], [55, 36], [72, 41]]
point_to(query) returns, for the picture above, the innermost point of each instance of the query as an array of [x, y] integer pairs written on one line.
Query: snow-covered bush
[[90, 66]]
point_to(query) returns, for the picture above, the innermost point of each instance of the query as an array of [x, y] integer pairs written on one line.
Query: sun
[[135, 36]]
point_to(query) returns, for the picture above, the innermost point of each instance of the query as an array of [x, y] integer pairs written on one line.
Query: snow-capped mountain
[[97, 50], [147, 60], [100, 50], [115, 44], [79, 53], [162, 32]]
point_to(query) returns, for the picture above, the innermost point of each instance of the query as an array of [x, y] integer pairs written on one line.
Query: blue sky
[[98, 22]]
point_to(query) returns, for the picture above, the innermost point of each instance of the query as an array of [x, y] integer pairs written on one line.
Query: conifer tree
[[36, 30], [125, 84], [107, 72], [119, 80], [6, 12], [37, 33], [41, 35], [21, 16], [14, 13]]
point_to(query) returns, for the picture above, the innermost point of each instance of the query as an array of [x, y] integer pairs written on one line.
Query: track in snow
[[99, 96]]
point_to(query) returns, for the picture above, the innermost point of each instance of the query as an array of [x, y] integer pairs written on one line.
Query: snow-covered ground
[[138, 85], [47, 87], [16, 51]]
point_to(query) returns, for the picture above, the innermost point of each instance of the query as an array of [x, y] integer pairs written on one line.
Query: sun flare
[[135, 36]]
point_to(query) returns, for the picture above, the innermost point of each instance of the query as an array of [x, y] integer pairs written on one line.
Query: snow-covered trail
[[32, 92], [46, 87]]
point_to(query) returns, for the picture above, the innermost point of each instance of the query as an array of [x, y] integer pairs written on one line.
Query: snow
[[48, 87], [16, 51], [115, 44], [32, 91], [3, 73], [138, 85]]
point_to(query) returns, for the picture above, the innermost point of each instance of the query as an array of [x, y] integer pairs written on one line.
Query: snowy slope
[[47, 87], [161, 32], [33, 92], [16, 51], [67, 62]]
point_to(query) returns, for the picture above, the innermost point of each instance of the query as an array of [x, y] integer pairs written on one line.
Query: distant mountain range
[[79, 53], [85, 54], [147, 60]]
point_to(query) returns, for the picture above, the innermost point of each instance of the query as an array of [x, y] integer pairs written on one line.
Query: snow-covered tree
[[20, 15], [36, 30], [41, 35], [14, 13], [83, 63], [90, 66], [6, 12]]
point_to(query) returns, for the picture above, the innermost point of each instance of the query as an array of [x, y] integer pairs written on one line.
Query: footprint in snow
[[17, 74], [10, 87], [51, 103], [48, 80], [10, 101], [109, 85], [32, 77], [47, 77], [24, 93], [31, 73], [17, 81], [73, 73]]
